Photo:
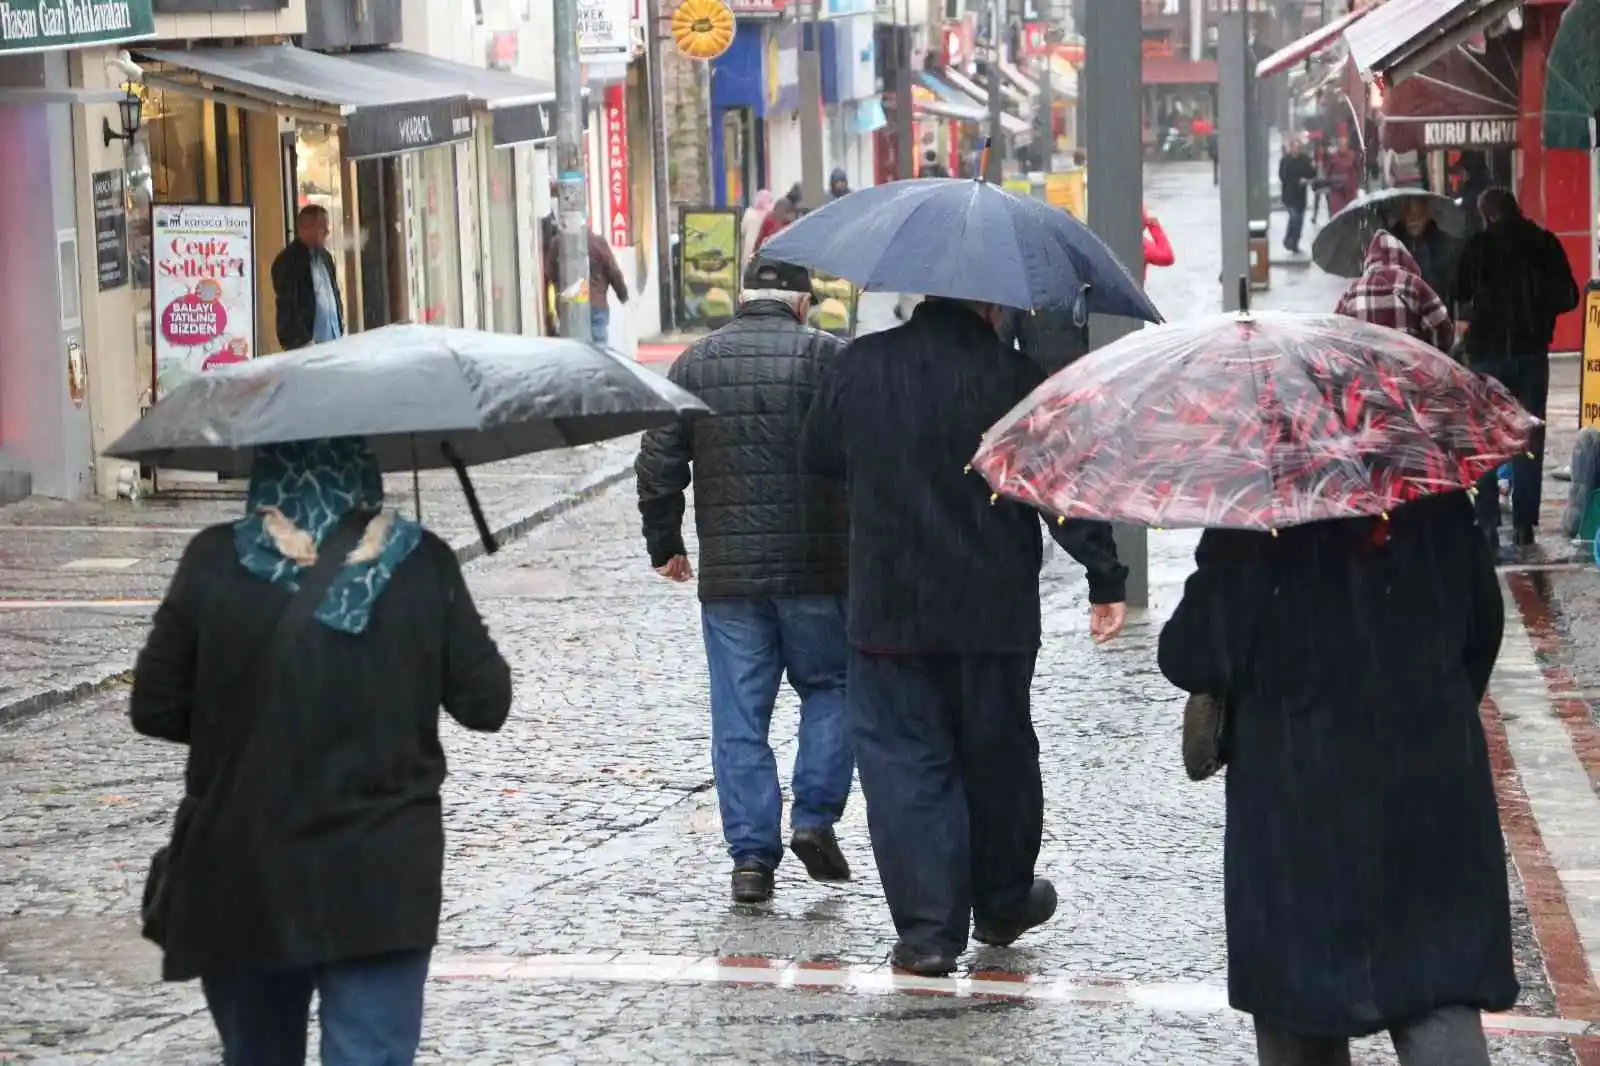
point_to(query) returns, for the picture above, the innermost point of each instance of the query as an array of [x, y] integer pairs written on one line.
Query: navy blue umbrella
[[966, 240]]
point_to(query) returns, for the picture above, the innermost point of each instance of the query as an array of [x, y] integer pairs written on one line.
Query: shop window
[[505, 288], [319, 181], [434, 236]]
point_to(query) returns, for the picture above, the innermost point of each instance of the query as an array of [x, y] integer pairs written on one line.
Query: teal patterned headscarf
[[298, 494]]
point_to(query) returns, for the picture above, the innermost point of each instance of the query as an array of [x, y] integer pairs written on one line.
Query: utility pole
[[654, 31], [1045, 134], [572, 289], [904, 117], [813, 183], [994, 170], [1233, 157], [1112, 36]]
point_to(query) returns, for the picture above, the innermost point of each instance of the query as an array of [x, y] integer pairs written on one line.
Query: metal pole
[[1080, 111], [995, 169], [1112, 37], [1233, 88], [904, 114], [1256, 134], [1045, 134], [658, 150], [573, 217], [813, 183]]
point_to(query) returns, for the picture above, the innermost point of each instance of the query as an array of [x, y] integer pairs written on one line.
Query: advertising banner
[[616, 139], [203, 290], [709, 266], [833, 304], [1589, 381], [110, 229], [604, 32]]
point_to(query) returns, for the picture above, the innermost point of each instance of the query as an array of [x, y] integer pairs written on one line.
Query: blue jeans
[[370, 1010], [1297, 222], [749, 646], [600, 325]]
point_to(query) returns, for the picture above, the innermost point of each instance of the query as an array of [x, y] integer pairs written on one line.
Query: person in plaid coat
[[1390, 292]]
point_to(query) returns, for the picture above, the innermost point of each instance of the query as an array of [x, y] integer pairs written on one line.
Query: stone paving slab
[[60, 557]]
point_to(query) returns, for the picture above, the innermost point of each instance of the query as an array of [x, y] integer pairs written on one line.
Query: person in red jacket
[[1157, 249]]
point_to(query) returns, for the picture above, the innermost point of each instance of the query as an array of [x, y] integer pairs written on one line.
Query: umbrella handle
[[485, 534]]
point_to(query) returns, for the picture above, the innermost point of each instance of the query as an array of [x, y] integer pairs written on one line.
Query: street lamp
[[130, 112]]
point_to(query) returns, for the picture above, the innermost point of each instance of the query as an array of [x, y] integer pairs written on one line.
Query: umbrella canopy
[[966, 240], [1341, 245], [1253, 422], [1572, 78], [423, 396]]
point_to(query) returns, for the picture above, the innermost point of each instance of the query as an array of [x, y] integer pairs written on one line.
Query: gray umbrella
[[1341, 244], [423, 396]]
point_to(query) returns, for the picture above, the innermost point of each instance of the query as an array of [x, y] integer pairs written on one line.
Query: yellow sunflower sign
[[703, 28]]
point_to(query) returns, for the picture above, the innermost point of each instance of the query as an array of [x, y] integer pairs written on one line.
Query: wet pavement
[[586, 916]]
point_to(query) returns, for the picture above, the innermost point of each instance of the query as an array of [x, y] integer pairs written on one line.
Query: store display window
[[505, 287], [433, 228], [319, 180]]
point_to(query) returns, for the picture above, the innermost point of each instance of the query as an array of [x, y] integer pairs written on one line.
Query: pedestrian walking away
[[1513, 282], [303, 653], [944, 626], [1341, 169], [605, 277], [1390, 292], [755, 216], [1296, 174], [305, 284], [1365, 886], [774, 550]]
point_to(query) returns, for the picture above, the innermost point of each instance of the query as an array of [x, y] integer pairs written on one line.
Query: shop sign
[[203, 290], [709, 271], [1589, 382], [1469, 133], [390, 129], [49, 24], [1155, 48], [960, 42], [110, 229], [855, 59], [605, 30], [783, 69], [758, 8], [616, 140], [1035, 39]]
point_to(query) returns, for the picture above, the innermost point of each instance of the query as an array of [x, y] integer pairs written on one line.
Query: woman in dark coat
[[310, 849], [1365, 873]]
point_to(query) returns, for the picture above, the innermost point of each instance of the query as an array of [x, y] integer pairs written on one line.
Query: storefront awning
[[1404, 36], [963, 92], [1572, 78], [523, 108], [1467, 98], [1028, 86], [382, 113], [1307, 46], [1171, 70]]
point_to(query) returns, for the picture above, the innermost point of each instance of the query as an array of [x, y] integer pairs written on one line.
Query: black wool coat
[[314, 828], [1365, 870]]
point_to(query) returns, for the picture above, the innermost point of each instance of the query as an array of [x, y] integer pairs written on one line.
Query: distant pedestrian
[[1296, 173], [1391, 292], [302, 654], [776, 222], [1157, 247], [944, 625], [1517, 280], [305, 284], [1319, 186], [1341, 169], [755, 216], [1429, 245], [931, 167], [774, 549], [838, 184], [605, 277], [1366, 881]]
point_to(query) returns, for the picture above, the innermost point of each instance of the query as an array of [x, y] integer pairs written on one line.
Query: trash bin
[[1260, 256]]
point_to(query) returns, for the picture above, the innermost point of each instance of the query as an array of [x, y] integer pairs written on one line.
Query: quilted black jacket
[[766, 529]]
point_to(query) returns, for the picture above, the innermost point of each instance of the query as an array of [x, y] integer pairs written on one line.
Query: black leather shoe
[[752, 883], [924, 962], [819, 850], [1522, 536], [1039, 908]]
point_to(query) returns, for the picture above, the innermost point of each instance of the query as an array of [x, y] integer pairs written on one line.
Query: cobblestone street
[[586, 911]]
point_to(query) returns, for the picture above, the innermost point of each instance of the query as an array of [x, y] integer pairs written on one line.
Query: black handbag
[[156, 902], [1205, 724]]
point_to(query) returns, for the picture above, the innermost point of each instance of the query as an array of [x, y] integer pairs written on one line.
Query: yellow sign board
[[1589, 383], [1066, 191]]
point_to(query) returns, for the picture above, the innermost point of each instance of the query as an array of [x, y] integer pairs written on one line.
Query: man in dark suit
[[306, 284], [944, 625]]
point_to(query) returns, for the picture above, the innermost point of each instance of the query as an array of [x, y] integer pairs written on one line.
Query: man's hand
[[678, 569], [1106, 619]]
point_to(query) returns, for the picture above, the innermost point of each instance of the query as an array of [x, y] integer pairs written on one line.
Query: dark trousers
[[1297, 223], [949, 767], [1528, 379], [370, 1011], [1450, 1036]]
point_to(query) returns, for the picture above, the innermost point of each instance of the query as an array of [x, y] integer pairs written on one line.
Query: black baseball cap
[[771, 274]]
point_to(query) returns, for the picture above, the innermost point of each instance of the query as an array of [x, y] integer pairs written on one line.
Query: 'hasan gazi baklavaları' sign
[[41, 25]]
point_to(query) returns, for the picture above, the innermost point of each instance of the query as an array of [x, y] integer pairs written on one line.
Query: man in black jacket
[[1296, 173], [306, 284], [945, 625], [1516, 277], [774, 547]]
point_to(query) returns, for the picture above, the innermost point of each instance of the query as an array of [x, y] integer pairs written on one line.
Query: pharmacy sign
[[47, 25]]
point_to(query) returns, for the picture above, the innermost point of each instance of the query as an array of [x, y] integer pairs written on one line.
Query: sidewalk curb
[[467, 550]]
